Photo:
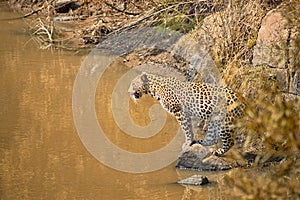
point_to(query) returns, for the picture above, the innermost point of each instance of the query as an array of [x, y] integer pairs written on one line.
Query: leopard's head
[[139, 86]]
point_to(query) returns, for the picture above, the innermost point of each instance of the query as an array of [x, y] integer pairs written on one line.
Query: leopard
[[217, 104]]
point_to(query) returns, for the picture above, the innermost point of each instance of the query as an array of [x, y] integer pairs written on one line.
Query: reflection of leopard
[[217, 104]]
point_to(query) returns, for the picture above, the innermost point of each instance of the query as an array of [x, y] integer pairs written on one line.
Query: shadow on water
[[42, 156]]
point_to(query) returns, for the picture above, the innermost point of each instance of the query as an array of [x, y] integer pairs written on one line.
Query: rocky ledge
[[198, 157]]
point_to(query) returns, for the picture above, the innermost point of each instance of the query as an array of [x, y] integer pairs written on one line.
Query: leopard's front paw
[[218, 152]]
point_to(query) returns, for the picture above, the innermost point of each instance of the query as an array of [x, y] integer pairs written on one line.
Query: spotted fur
[[218, 105]]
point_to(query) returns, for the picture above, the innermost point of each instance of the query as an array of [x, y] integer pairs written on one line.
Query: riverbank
[[82, 23], [79, 24]]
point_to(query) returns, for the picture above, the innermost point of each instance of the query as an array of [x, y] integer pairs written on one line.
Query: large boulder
[[277, 46], [229, 33], [272, 42]]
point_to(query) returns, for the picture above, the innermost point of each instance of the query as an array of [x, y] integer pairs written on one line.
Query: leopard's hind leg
[[220, 129], [227, 138], [212, 132]]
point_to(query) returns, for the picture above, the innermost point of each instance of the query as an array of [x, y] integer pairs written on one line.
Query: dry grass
[[42, 33], [270, 116], [230, 33]]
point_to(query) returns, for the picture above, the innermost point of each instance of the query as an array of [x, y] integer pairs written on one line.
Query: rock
[[272, 40], [225, 32], [277, 46], [65, 5], [198, 157], [195, 180], [201, 67], [294, 61]]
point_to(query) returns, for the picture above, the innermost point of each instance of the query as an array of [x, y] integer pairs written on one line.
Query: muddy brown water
[[42, 155]]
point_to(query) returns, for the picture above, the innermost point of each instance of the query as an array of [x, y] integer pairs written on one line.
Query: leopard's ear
[[144, 77]]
